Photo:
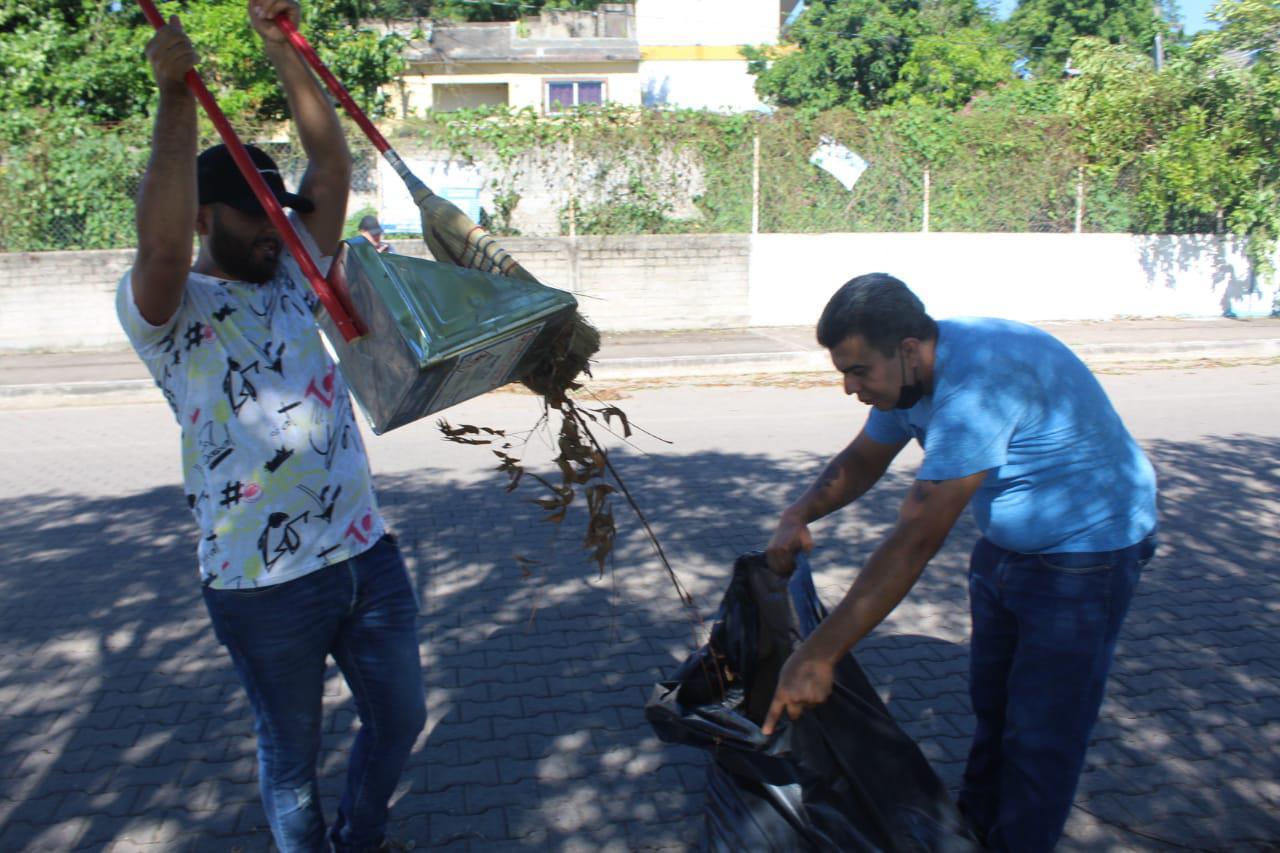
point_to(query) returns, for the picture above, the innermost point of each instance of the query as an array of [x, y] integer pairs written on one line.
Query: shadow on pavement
[[122, 720]]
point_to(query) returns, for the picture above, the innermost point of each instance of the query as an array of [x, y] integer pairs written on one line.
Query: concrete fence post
[[924, 222], [573, 190], [755, 185], [1079, 199]]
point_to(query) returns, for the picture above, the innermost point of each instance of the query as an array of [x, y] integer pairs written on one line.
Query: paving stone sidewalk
[[122, 727]]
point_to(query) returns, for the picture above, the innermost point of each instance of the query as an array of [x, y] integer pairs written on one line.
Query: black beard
[[236, 260]]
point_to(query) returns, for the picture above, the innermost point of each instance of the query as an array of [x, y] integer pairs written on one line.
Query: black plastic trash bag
[[842, 777]]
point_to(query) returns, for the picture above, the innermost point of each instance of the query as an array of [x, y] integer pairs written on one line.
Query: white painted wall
[[722, 85], [61, 300], [1018, 276], [65, 300], [707, 22]]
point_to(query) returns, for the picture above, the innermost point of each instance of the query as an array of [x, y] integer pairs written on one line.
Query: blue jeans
[[364, 613], [1044, 633]]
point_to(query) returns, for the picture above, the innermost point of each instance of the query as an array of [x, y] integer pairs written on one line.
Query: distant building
[[691, 50], [680, 53]]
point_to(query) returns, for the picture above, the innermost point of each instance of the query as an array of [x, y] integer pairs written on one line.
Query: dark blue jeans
[[362, 612], [1044, 634]]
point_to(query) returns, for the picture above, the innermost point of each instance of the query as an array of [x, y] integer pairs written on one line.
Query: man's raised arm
[[166, 208], [328, 178]]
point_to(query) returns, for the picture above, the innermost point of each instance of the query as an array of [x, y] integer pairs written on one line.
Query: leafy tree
[[1201, 136], [868, 53], [233, 64], [73, 123], [75, 56], [1044, 30], [68, 184], [1242, 95], [1023, 97], [947, 71], [84, 57]]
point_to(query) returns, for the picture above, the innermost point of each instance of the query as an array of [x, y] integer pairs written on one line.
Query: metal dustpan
[[435, 334]]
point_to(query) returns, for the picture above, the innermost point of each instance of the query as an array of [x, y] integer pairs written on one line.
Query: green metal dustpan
[[434, 334]]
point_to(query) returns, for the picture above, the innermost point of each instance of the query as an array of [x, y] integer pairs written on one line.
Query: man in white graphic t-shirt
[[294, 557]]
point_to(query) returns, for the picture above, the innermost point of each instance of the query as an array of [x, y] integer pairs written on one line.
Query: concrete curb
[[1259, 348], [105, 393], [652, 367], [685, 366]]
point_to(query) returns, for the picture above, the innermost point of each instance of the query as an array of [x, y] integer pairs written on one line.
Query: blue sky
[[1192, 12]]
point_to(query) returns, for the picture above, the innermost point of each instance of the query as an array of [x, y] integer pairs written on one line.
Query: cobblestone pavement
[[122, 726]]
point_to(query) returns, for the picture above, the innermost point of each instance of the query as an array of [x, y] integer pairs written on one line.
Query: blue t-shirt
[[1008, 398]]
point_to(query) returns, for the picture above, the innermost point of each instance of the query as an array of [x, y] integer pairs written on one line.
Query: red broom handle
[[339, 91], [308, 53], [346, 325]]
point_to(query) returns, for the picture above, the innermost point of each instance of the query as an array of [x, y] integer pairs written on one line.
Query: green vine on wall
[[1011, 162]]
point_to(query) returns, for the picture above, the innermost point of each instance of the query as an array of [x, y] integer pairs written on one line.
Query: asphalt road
[[121, 725]]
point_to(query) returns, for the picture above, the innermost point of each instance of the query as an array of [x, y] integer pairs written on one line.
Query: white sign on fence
[[838, 161]]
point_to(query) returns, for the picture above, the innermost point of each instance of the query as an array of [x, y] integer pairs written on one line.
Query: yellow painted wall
[[526, 83], [675, 52]]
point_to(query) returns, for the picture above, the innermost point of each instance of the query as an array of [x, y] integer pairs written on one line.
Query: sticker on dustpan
[[481, 371]]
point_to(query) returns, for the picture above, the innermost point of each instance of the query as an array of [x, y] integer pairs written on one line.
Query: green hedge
[[1006, 167]]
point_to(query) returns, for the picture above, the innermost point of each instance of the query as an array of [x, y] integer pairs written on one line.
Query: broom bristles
[[453, 238]]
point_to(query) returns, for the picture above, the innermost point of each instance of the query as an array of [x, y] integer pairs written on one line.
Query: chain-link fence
[[77, 191], [712, 175]]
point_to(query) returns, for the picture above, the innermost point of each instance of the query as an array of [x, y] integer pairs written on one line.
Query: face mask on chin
[[908, 395]]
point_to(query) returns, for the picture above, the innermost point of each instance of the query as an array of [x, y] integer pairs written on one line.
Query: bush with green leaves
[[865, 54], [1198, 140]]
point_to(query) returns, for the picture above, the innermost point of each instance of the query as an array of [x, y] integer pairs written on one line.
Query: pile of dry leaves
[[582, 461]]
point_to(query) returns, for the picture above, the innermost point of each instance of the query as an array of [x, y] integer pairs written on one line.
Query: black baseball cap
[[218, 179]]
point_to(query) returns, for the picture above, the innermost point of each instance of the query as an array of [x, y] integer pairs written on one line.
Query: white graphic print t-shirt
[[273, 464]]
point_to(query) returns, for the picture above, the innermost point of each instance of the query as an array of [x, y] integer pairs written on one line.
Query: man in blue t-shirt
[[1013, 424]]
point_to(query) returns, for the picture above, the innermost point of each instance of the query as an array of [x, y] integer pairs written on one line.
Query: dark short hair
[[878, 307], [370, 223]]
